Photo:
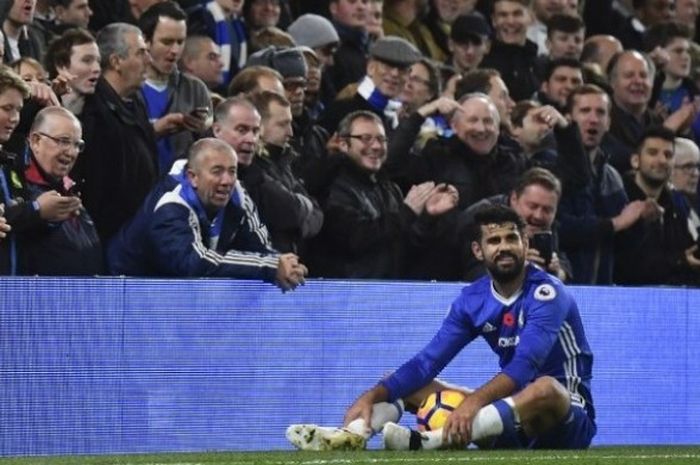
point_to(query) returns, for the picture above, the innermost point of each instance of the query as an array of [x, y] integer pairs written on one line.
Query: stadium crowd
[[279, 139]]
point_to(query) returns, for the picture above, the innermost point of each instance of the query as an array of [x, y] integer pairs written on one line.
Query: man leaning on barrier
[[200, 222]]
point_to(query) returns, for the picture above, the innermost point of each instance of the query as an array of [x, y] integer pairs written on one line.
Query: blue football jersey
[[536, 332]]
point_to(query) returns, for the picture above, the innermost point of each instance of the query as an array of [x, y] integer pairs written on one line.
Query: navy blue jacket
[[167, 237]]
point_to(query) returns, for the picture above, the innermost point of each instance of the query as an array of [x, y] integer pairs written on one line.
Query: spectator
[[677, 87], [221, 20], [441, 17], [471, 160], [562, 76], [29, 69], [631, 78], [387, 70], [374, 21], [593, 213], [512, 54], [489, 82], [367, 222], [686, 170], [687, 14], [291, 215], [543, 11], [659, 250], [119, 164], [684, 179], [66, 243], [254, 79], [69, 14], [20, 39], [602, 17], [260, 14], [350, 62], [565, 34], [531, 124], [178, 105], [469, 42], [535, 199], [196, 222], [403, 18], [74, 56], [201, 58], [237, 122], [317, 33], [598, 50]]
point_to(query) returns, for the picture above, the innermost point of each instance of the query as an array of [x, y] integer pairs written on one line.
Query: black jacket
[[475, 176], [365, 228], [517, 67], [289, 212], [118, 166]]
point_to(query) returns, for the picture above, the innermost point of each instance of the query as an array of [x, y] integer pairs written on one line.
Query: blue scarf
[[379, 101]]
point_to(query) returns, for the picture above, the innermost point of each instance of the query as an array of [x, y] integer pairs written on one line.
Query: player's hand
[[361, 408], [290, 273], [457, 430]]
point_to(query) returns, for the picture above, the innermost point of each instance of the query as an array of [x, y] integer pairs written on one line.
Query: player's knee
[[548, 391]]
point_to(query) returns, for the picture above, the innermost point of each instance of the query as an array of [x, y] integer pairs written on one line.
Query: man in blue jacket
[[541, 397], [199, 221]]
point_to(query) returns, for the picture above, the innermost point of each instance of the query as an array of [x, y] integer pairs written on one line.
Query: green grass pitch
[[595, 456]]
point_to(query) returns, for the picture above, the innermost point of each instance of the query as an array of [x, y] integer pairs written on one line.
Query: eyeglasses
[[65, 142], [418, 80], [367, 139], [329, 49], [687, 167]]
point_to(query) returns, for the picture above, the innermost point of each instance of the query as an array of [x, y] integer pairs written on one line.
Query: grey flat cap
[[395, 50], [313, 31]]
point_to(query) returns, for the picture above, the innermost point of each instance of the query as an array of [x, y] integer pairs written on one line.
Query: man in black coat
[[118, 167]]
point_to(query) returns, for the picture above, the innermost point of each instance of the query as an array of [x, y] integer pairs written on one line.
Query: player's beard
[[506, 274]]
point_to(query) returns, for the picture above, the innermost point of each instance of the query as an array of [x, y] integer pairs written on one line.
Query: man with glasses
[[387, 70], [63, 241], [367, 221]]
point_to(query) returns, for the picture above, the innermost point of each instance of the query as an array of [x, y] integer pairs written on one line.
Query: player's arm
[[458, 426], [455, 333], [362, 407]]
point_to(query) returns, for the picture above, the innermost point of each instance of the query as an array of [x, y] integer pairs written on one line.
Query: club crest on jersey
[[545, 292]]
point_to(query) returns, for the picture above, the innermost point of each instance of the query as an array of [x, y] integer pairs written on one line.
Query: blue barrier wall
[[126, 366]]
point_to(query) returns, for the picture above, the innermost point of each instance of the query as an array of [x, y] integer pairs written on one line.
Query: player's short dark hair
[[656, 132], [149, 19], [540, 177], [495, 214], [559, 63], [569, 24]]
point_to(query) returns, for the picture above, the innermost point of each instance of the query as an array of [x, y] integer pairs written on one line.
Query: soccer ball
[[435, 409]]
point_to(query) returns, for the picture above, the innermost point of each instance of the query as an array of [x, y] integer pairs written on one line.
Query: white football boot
[[318, 438]]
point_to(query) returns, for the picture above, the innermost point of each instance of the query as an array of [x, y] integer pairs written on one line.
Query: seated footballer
[[541, 398]]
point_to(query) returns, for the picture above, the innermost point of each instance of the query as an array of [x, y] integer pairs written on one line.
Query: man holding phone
[[535, 198], [178, 104]]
